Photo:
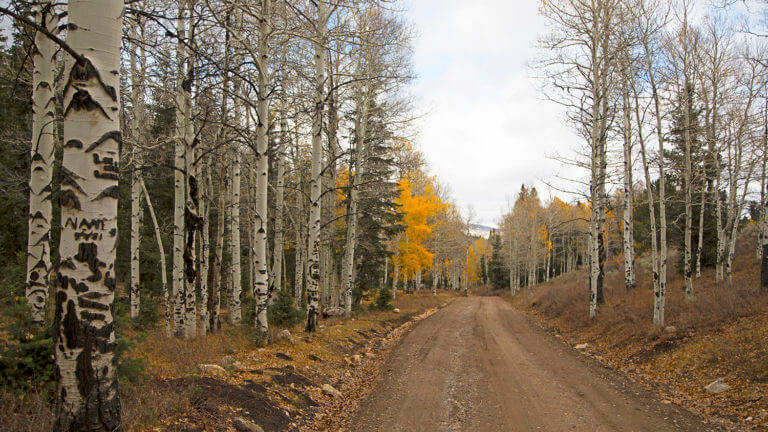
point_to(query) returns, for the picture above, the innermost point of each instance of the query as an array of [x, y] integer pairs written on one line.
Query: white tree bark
[[355, 179], [279, 244], [395, 277], [85, 348], [661, 293], [261, 283], [298, 280], [205, 250], [137, 94], [628, 215], [313, 248], [688, 186], [179, 184], [235, 314], [702, 207], [764, 207], [41, 165], [217, 282], [161, 250], [764, 240], [386, 270], [435, 277]]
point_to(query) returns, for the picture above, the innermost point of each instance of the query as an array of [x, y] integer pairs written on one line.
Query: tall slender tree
[[85, 348]]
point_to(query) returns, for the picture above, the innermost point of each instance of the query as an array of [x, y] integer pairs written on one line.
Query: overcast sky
[[487, 130]]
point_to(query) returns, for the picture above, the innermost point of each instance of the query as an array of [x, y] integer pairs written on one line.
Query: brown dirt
[[480, 365], [219, 401]]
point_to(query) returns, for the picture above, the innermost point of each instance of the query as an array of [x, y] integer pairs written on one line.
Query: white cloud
[[487, 129]]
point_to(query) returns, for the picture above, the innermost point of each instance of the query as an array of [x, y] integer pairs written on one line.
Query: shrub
[[12, 277], [383, 300], [129, 369], [29, 364], [282, 312]]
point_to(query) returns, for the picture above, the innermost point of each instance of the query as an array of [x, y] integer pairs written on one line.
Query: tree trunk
[[764, 208], [279, 246], [313, 248], [386, 270], [764, 258], [205, 250], [235, 315], [192, 219], [137, 94], [298, 280], [161, 250], [179, 182], [395, 277], [719, 222], [700, 242], [658, 308], [661, 293], [41, 165], [85, 345], [216, 282], [628, 215], [355, 179], [261, 283], [688, 180], [435, 277]]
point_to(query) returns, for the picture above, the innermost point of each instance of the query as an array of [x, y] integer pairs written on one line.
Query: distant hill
[[478, 230]]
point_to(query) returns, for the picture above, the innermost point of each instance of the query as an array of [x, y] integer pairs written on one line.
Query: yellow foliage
[[417, 211]]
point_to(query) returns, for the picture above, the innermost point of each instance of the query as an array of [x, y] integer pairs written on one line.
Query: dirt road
[[481, 365]]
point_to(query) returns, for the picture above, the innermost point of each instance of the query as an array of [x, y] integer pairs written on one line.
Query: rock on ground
[[232, 362], [244, 425], [717, 386], [284, 335], [212, 369], [330, 391], [581, 346], [334, 311]]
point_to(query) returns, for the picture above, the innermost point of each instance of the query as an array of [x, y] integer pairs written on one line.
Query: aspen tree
[[279, 244], [313, 247], [137, 96], [261, 285], [235, 314], [628, 221], [179, 182], [351, 238], [85, 349], [41, 165], [161, 250]]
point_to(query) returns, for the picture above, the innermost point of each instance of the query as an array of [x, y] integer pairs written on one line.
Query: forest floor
[[241, 386], [721, 335], [277, 387]]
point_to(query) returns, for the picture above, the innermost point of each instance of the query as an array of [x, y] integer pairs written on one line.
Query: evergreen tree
[[497, 269]]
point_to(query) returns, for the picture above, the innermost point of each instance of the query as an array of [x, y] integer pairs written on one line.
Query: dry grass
[[721, 334], [627, 315], [145, 405], [172, 357], [26, 413], [151, 402]]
